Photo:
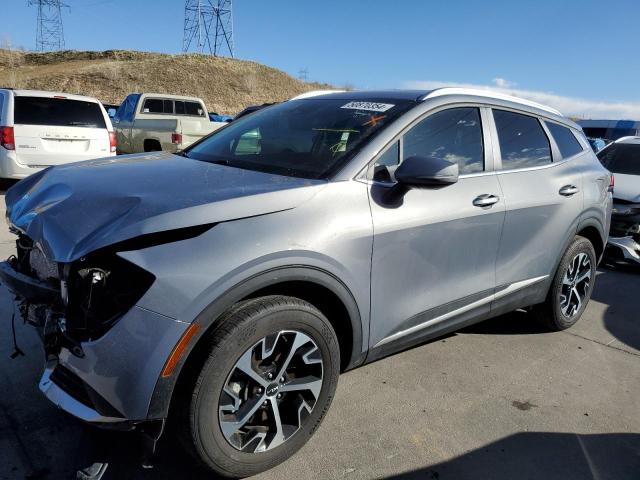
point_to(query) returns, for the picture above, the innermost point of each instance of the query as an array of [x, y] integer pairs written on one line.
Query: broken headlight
[[100, 288]]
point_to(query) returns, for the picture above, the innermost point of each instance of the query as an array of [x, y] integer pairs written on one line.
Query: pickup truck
[[148, 122]]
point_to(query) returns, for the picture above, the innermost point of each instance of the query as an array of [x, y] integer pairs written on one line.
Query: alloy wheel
[[575, 285], [270, 391]]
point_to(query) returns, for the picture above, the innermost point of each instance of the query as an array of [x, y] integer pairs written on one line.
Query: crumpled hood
[[71, 210], [627, 187]]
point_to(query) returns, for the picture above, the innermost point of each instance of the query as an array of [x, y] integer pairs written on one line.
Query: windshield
[[622, 158], [57, 112], [308, 138]]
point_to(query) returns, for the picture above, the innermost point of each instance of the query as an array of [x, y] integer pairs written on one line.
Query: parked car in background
[[111, 109], [231, 284], [597, 144], [149, 122], [251, 109], [622, 157], [216, 117], [39, 129]]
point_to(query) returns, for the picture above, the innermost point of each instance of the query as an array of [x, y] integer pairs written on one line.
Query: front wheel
[[267, 382], [571, 288]]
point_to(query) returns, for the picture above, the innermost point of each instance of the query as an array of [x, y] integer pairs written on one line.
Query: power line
[[208, 27], [49, 31]]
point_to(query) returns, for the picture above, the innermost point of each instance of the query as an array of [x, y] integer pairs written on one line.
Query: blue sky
[[574, 55]]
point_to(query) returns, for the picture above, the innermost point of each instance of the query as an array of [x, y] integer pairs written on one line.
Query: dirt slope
[[226, 85]]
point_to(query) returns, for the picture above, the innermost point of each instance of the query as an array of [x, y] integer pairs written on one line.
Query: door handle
[[568, 190], [485, 200]]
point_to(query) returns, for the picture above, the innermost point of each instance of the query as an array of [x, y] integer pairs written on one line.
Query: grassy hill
[[227, 85]]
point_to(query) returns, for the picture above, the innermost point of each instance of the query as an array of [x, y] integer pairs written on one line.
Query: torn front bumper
[[108, 381]]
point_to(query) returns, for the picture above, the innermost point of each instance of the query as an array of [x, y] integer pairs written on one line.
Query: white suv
[[39, 129]]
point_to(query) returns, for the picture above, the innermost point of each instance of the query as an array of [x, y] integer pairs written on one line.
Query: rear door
[[434, 252], [543, 194], [54, 130]]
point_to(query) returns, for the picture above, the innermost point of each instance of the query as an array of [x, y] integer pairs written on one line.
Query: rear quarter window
[[57, 112], [565, 139]]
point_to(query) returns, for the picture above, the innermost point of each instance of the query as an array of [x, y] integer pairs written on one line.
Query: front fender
[[165, 386]]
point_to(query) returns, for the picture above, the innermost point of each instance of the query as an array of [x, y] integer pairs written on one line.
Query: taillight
[[113, 141], [176, 138], [7, 139], [612, 183]]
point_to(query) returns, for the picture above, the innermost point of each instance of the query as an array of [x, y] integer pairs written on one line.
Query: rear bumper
[[10, 166]]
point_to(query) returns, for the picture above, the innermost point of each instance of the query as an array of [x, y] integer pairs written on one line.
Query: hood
[[627, 187], [71, 210]]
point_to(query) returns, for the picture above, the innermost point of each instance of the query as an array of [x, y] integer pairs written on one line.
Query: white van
[[40, 129]]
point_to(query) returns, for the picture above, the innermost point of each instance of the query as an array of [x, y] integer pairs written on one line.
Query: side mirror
[[417, 171]]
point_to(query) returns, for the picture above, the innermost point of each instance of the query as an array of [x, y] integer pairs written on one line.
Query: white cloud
[[503, 83], [569, 106]]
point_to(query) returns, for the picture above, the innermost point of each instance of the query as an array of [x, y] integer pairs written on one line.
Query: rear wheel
[[571, 288], [269, 378]]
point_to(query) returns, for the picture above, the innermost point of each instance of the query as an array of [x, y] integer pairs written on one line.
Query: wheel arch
[[592, 232], [319, 287]]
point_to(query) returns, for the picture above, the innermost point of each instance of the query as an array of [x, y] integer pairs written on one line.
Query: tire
[[557, 312], [277, 324]]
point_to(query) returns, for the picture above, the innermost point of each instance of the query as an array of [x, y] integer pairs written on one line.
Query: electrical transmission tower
[[208, 26], [49, 33]]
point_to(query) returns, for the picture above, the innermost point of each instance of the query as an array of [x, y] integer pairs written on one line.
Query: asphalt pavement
[[504, 399]]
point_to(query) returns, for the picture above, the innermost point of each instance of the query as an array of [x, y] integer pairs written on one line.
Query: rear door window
[[523, 142], [57, 112], [565, 139], [180, 107]]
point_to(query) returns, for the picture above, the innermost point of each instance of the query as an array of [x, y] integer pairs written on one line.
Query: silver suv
[[231, 283]]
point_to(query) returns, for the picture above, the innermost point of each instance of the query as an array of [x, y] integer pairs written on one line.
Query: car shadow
[[519, 322], [618, 288], [122, 454], [6, 184], [547, 455]]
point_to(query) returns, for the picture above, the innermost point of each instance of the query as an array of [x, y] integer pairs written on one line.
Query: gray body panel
[[405, 272]]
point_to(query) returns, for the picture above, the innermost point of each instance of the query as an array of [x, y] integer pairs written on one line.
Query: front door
[[434, 252]]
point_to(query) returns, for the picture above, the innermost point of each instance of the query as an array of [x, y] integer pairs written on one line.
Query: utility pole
[[303, 74], [208, 27], [49, 32]]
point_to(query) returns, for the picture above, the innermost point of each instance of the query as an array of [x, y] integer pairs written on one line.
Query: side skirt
[[505, 299]]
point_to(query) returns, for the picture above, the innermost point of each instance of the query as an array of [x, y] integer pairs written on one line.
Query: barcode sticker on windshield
[[369, 106]]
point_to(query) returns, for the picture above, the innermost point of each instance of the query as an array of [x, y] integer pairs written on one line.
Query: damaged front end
[[623, 246], [72, 303]]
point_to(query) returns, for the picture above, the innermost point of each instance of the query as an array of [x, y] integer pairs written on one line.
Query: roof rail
[[438, 92], [315, 93]]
